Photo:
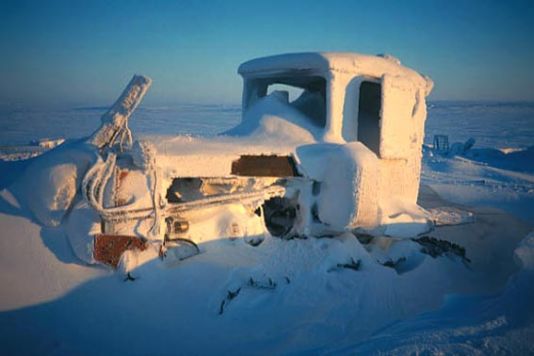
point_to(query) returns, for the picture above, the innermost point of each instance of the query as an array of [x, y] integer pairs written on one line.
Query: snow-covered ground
[[342, 295]]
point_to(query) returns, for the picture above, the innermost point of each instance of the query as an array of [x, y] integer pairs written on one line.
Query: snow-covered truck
[[328, 143]]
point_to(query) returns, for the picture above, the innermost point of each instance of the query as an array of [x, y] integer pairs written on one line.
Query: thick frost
[[51, 182], [114, 128]]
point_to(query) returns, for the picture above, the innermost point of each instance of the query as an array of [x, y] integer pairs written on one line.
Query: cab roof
[[322, 63]]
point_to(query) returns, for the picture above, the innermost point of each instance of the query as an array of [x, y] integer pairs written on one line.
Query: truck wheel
[[280, 215]]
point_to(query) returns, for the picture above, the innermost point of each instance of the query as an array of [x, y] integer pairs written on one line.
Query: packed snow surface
[[329, 295]]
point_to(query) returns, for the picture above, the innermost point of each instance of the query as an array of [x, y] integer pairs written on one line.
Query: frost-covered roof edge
[[324, 62]]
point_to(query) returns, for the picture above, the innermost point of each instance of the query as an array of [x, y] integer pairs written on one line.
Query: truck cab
[[327, 143]]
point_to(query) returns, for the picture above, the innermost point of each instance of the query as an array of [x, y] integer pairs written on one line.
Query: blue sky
[[84, 52]]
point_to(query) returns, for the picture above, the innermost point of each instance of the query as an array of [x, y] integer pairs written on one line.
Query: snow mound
[[83, 223], [519, 160], [271, 117], [501, 323], [55, 179], [524, 253]]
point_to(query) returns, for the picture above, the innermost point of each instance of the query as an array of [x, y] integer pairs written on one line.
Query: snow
[[447, 215], [525, 252], [348, 176], [83, 223], [487, 324], [37, 263], [316, 306], [497, 125], [405, 225], [478, 181], [328, 61], [271, 116], [326, 295], [116, 119], [56, 178]]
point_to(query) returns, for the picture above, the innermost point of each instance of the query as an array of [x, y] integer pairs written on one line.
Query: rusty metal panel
[[108, 249], [265, 166]]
